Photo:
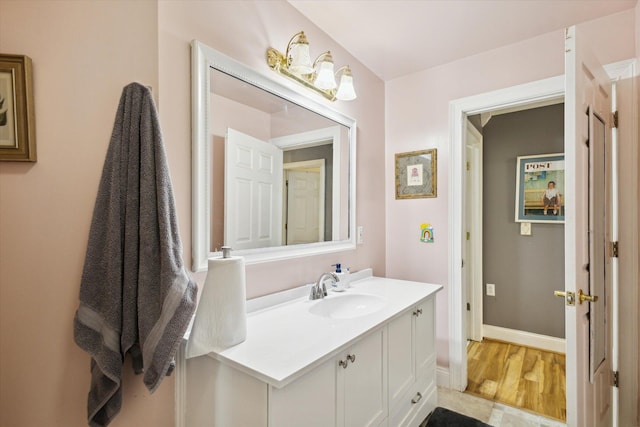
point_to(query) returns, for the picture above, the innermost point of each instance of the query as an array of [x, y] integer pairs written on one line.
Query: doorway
[[303, 202], [541, 91], [513, 267], [512, 271]]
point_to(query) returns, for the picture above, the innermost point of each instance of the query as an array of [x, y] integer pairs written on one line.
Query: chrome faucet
[[319, 290]]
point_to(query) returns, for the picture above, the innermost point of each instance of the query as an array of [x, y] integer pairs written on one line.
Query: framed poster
[[540, 192], [416, 174], [17, 127]]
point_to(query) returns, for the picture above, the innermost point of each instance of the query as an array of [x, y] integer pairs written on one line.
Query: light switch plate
[[525, 228], [491, 289], [360, 235]]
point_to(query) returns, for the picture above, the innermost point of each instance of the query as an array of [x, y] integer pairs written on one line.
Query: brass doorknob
[[584, 297], [570, 297]]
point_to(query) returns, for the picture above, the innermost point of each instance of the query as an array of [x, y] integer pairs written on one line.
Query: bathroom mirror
[[273, 170]]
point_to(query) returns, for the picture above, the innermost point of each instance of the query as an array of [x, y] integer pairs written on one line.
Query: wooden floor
[[524, 377]]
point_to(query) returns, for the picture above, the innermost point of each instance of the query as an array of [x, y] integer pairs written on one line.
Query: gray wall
[[525, 269]]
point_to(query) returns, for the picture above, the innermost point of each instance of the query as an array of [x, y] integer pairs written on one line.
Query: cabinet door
[[365, 394], [221, 396], [401, 356], [425, 348], [308, 401]]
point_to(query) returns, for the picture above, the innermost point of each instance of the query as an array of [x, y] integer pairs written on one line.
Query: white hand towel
[[221, 316]]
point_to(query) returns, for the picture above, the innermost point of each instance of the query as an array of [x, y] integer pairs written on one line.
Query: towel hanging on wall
[[136, 296]]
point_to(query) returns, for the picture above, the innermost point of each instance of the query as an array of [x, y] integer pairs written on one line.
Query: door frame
[[540, 91], [516, 96], [311, 139], [625, 321]]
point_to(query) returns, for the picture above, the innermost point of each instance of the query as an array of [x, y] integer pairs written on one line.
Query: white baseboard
[[442, 377], [529, 339]]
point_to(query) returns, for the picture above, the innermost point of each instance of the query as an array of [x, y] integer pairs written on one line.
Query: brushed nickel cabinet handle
[[417, 398]]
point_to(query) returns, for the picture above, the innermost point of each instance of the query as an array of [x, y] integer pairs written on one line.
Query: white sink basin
[[347, 306]]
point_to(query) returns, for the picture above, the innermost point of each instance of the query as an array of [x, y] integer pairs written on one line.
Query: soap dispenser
[[343, 276]]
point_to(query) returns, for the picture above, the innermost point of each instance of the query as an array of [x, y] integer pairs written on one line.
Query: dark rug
[[442, 417]]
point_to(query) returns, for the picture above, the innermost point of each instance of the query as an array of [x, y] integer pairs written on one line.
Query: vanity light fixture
[[318, 75]]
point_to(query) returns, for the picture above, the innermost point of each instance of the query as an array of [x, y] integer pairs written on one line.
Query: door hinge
[[616, 379], [613, 249], [614, 119], [468, 307], [468, 166], [468, 235]]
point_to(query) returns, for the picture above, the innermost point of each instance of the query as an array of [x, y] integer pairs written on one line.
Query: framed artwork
[[416, 174], [540, 192], [17, 122]]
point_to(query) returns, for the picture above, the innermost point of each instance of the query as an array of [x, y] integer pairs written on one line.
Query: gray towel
[[136, 296]]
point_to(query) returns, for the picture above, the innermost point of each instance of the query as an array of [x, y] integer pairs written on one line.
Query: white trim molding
[[529, 339]]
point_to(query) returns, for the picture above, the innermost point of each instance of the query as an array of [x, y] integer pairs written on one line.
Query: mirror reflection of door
[[304, 202], [253, 199]]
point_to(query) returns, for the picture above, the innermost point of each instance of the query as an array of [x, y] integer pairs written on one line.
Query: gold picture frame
[[416, 174], [17, 120]]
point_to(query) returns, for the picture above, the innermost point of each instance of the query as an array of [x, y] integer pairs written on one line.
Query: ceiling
[[397, 37]]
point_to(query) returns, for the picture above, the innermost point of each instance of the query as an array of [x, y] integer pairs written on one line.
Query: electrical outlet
[[360, 238], [491, 289]]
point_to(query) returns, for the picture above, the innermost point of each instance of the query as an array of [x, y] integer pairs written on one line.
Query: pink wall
[[83, 54], [417, 117]]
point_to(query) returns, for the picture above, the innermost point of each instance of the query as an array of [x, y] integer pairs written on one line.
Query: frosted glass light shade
[[325, 78], [300, 59], [346, 91]]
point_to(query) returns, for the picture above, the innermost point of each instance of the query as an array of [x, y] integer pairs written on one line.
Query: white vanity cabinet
[[297, 368], [412, 365], [349, 390]]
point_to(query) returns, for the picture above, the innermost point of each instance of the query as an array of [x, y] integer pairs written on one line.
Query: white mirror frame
[[203, 59]]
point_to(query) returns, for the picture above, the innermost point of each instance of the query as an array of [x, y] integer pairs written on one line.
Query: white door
[[252, 193], [304, 202], [587, 134], [472, 246]]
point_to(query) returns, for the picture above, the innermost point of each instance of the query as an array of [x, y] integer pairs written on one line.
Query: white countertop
[[286, 341]]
